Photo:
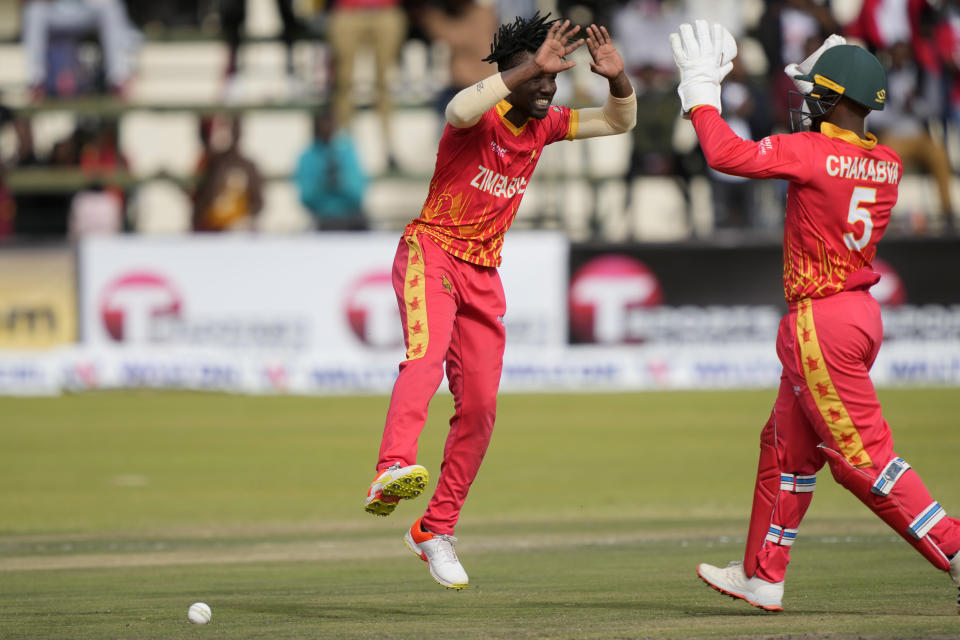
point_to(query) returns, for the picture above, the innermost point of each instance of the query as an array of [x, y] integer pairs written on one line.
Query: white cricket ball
[[199, 613]]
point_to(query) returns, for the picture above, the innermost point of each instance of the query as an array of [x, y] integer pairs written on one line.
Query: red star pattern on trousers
[[414, 304], [415, 281], [834, 415], [855, 460], [847, 438], [813, 363], [417, 350], [806, 335], [414, 259], [823, 389], [416, 328]]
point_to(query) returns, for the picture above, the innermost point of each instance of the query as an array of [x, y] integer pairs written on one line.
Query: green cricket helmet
[[842, 71]]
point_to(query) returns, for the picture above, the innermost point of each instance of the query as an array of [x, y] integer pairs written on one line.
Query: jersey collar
[[833, 131], [502, 107]]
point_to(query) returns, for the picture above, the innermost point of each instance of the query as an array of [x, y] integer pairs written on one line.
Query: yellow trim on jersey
[[824, 393], [414, 297], [833, 131], [502, 108], [574, 124]]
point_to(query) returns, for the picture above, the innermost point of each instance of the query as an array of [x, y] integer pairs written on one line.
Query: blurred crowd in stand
[[83, 49]]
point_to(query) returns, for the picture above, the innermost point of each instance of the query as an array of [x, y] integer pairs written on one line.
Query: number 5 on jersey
[[856, 214]]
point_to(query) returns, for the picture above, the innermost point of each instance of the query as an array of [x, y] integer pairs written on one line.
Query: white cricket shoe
[[393, 484], [437, 551], [732, 581]]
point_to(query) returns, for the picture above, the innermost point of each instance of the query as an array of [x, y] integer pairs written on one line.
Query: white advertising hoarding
[[325, 294]]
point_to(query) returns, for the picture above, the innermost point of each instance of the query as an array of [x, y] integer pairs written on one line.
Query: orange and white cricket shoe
[[393, 485], [437, 551], [732, 581]]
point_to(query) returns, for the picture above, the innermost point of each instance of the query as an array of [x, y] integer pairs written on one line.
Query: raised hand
[[606, 59], [704, 55], [550, 56]]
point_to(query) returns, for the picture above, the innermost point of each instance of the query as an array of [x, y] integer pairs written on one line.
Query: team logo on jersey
[[496, 184], [446, 283]]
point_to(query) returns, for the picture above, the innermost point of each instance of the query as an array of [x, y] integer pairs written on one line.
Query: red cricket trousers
[[452, 315], [827, 411]]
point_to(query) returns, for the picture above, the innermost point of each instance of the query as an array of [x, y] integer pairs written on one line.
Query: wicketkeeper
[[843, 185]]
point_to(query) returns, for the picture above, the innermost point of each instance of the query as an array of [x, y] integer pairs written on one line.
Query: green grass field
[[118, 510]]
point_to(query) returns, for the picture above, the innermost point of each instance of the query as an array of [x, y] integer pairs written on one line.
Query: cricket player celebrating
[[445, 270], [842, 187]]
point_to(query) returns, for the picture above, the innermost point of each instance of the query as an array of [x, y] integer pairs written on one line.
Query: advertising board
[[323, 294], [37, 298]]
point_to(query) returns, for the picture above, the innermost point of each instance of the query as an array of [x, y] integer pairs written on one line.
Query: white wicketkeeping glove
[[704, 59], [793, 70]]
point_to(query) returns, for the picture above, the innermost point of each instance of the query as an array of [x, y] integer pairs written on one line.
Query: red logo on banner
[[132, 301], [890, 291], [372, 313], [602, 293]]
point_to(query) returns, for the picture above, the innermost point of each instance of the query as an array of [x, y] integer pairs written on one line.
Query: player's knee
[[479, 408]]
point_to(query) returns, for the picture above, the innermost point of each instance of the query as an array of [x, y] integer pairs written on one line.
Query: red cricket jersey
[[481, 175], [841, 191]]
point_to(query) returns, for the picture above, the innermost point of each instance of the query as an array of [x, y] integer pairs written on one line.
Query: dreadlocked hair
[[518, 37]]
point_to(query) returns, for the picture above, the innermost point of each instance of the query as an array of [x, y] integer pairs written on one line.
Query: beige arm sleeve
[[466, 108], [617, 115]]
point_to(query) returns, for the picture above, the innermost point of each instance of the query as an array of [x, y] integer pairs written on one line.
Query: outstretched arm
[[619, 113], [471, 103]]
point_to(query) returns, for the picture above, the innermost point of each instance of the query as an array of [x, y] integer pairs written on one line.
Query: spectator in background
[[51, 30], [790, 30], [882, 23], [353, 25], [100, 151], [7, 208], [947, 37], [25, 154], [902, 125], [464, 25], [734, 199], [100, 206], [229, 192], [43, 212], [642, 26], [330, 180], [95, 209], [233, 16], [653, 153]]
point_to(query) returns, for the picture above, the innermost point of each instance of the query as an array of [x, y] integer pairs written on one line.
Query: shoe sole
[[415, 548], [381, 507], [405, 487], [737, 596], [409, 485]]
